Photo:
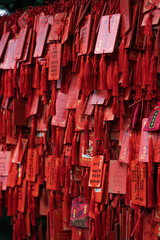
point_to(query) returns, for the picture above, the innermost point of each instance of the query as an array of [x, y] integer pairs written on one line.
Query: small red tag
[[96, 171], [3, 43], [44, 202], [98, 97], [147, 5], [66, 29], [12, 176], [73, 94], [55, 61], [89, 107], [31, 165], [27, 46], [20, 44], [19, 112], [125, 10], [99, 192], [35, 104], [4, 162], [22, 196], [123, 157]]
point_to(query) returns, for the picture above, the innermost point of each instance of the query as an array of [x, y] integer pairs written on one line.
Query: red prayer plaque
[[35, 103], [31, 165], [73, 94], [27, 46], [60, 119], [108, 114], [9, 61], [85, 35], [155, 17], [123, 156], [20, 44], [54, 61], [117, 177], [22, 197], [4, 162], [3, 43], [18, 156], [22, 21], [41, 39], [138, 183], [98, 97], [125, 10], [96, 171], [90, 107], [148, 4], [140, 29], [106, 39], [19, 117], [143, 150], [131, 32], [66, 29]]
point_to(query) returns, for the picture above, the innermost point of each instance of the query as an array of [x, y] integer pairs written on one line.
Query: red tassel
[[80, 83], [62, 169], [103, 73], [128, 188], [115, 91], [107, 146], [2, 83], [88, 74], [125, 82], [93, 233], [153, 74], [110, 74], [96, 113], [53, 133], [33, 133], [157, 43], [74, 53], [14, 232], [151, 197], [34, 234], [5, 84], [56, 151], [23, 222], [115, 106], [67, 173], [77, 42], [52, 206], [19, 227], [147, 67], [67, 208], [64, 59], [139, 69], [53, 100], [98, 223], [44, 79], [21, 79], [69, 56], [27, 89], [121, 54], [138, 229], [15, 201], [144, 77], [1, 199], [10, 203], [149, 34], [122, 113], [29, 196], [138, 93], [84, 183], [69, 130], [36, 79], [74, 150], [15, 76], [33, 212], [40, 231], [86, 135], [95, 72], [158, 186], [103, 224], [100, 125], [10, 92], [92, 203], [58, 180]]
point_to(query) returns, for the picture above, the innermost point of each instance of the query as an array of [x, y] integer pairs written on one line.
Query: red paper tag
[[138, 183], [44, 202], [35, 188], [20, 44], [12, 176], [79, 121], [66, 29], [96, 171], [3, 43], [123, 157], [125, 10], [8, 61], [35, 103], [155, 17], [99, 192], [73, 95], [98, 97], [107, 34], [4, 162], [17, 156], [51, 163], [20, 174], [22, 21], [31, 165], [60, 119], [22, 197], [85, 159], [108, 114], [85, 35], [140, 30], [79, 232], [143, 151], [3, 180], [58, 223], [41, 39], [117, 177], [55, 61], [19, 112], [89, 107], [148, 4], [43, 120]]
